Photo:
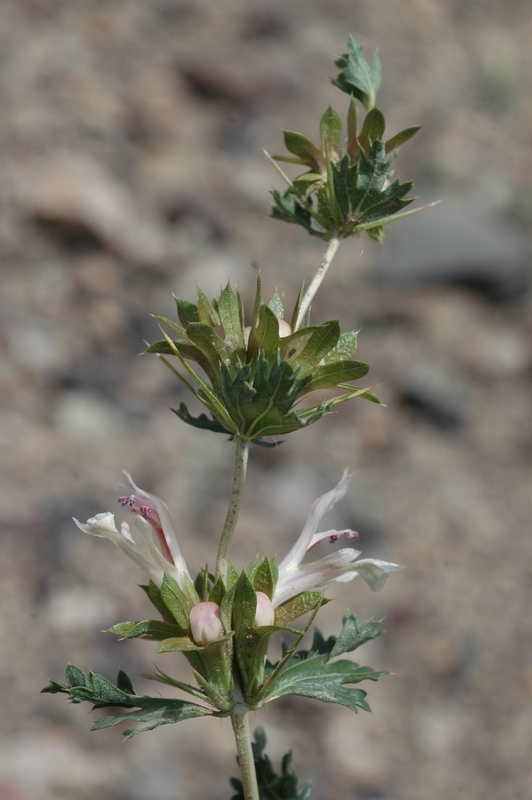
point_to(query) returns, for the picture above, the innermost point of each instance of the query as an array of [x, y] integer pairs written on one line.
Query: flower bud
[[205, 623], [265, 613]]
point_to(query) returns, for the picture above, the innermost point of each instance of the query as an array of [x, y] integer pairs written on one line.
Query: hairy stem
[[315, 284], [239, 477], [245, 756]]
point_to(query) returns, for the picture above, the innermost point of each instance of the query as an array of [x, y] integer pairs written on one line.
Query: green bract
[[256, 376], [347, 188]]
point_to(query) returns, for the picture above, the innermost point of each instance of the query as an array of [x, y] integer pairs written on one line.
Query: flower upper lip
[[151, 541], [153, 544], [340, 566]]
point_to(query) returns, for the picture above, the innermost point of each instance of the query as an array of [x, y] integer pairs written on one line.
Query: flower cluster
[[229, 621]]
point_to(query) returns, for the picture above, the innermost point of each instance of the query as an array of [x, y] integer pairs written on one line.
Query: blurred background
[[132, 136]]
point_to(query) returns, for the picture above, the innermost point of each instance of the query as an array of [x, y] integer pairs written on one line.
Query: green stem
[[315, 284], [239, 477], [245, 756]]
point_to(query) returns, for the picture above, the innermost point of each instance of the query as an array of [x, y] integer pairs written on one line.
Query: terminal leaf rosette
[[347, 187], [253, 377]]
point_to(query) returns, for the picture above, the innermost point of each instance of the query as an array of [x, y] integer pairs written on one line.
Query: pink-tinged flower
[[205, 623], [151, 541], [340, 566], [265, 613]]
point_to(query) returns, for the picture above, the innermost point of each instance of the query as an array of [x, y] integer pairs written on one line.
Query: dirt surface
[[132, 134]]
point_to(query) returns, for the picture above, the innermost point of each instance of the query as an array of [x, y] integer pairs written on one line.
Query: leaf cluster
[[347, 187], [272, 786], [255, 376], [150, 712]]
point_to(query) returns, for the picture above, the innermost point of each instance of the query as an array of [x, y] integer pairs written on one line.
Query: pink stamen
[[348, 535], [138, 506]]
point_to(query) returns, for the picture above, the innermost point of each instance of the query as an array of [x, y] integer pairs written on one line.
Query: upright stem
[[245, 756], [315, 284], [239, 477]]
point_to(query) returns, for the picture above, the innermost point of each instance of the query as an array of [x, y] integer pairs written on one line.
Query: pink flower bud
[[205, 623], [284, 330], [265, 613]]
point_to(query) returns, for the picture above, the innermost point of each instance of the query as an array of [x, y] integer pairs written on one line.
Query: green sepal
[[276, 305], [162, 677], [265, 577], [152, 629], [298, 606], [176, 601], [250, 647], [306, 152], [352, 131], [214, 663], [372, 129], [229, 311], [357, 77], [344, 349], [187, 312], [207, 314], [265, 337], [154, 595], [320, 342], [330, 375], [272, 786], [217, 594], [401, 137], [177, 644], [331, 132]]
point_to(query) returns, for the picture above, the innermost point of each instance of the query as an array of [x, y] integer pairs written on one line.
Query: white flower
[[151, 541], [340, 566]]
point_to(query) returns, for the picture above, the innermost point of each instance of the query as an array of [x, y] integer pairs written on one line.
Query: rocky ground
[[132, 134]]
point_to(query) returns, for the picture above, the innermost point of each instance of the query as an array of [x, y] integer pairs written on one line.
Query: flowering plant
[[251, 378]]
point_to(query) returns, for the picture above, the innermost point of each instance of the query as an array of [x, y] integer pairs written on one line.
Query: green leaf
[[203, 421], [157, 713], [288, 209], [317, 678], [331, 132], [330, 375], [96, 689], [355, 633], [147, 629], [356, 76], [273, 786]]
